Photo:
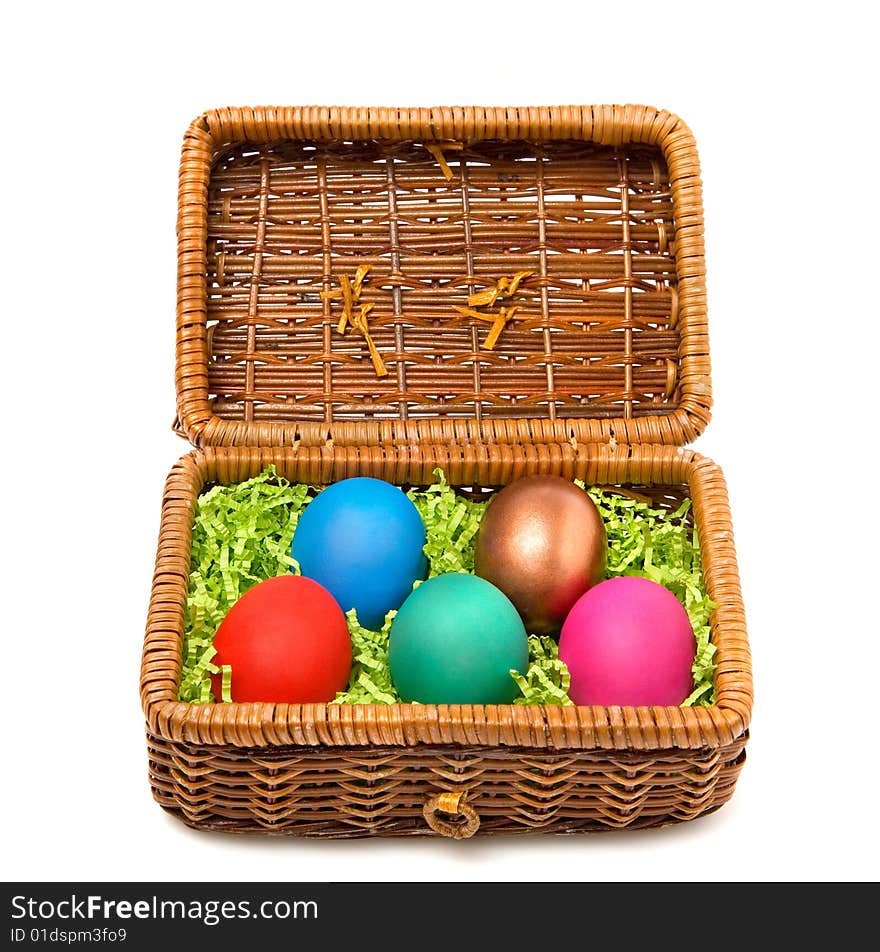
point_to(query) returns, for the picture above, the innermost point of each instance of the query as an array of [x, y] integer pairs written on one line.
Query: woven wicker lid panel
[[498, 275]]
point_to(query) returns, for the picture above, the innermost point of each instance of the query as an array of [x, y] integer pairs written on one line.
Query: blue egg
[[363, 540]]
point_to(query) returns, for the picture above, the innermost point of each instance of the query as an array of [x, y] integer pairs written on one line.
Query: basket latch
[[449, 815]]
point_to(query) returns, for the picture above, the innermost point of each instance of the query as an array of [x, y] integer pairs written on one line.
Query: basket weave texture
[[601, 206], [600, 373]]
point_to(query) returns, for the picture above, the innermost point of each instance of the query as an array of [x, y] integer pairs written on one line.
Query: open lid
[[491, 275]]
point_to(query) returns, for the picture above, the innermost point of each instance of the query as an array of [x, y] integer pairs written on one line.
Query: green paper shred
[[242, 535], [226, 683], [370, 678], [451, 523], [546, 680]]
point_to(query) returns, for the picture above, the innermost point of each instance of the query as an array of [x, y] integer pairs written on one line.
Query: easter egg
[[287, 641], [542, 542], [628, 641], [362, 539], [454, 641]]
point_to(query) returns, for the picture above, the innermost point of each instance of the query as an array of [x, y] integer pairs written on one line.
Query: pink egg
[[628, 641]]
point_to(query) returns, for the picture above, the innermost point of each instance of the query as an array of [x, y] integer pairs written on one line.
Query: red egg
[[287, 641]]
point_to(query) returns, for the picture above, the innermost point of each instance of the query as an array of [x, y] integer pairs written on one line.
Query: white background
[[96, 99]]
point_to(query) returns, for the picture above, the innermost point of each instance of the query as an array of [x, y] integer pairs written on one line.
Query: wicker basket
[[594, 366]]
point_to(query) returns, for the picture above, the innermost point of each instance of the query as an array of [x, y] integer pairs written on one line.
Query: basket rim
[[612, 125], [620, 728]]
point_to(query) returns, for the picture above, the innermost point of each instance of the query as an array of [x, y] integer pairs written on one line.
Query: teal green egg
[[454, 641]]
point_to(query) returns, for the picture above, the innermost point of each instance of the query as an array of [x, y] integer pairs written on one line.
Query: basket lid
[[471, 274]]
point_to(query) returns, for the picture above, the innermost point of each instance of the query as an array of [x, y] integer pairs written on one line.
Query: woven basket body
[[594, 366]]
